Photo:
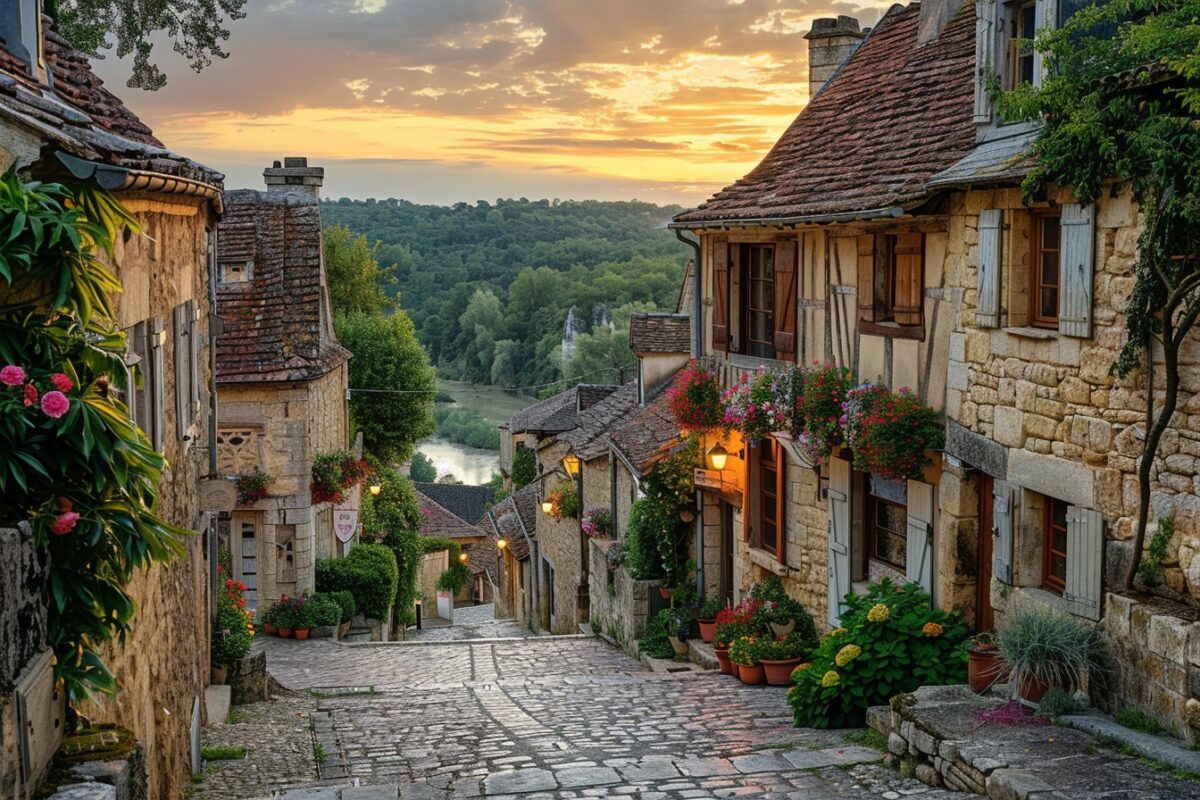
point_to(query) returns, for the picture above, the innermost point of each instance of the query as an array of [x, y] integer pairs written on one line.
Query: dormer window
[[1019, 25], [237, 272]]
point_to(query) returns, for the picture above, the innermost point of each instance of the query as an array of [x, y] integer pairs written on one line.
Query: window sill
[[892, 330], [739, 361], [1030, 332], [767, 560]]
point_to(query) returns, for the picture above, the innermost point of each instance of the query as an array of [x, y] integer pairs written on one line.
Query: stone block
[[1008, 428], [1169, 638], [1040, 427], [956, 376], [958, 346], [1056, 477], [1116, 616]]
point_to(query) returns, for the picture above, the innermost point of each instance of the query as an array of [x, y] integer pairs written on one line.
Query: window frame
[[747, 345], [870, 525], [1037, 250], [1014, 34], [1051, 581]]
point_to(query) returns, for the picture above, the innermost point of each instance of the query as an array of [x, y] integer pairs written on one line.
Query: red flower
[[62, 382], [31, 394], [229, 584], [65, 523], [241, 587]]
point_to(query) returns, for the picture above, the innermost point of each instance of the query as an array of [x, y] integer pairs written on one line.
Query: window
[[887, 522], [237, 450], [1054, 550], [237, 271], [1019, 25], [769, 475], [286, 544], [891, 282], [1044, 280], [758, 319], [754, 298], [144, 394]]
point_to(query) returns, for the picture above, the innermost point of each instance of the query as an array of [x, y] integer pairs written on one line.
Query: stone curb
[[1160, 748]]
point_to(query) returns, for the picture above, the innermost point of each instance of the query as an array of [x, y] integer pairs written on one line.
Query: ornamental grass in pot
[[1044, 647]]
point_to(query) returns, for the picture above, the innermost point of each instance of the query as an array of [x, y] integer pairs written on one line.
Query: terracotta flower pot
[[723, 661], [220, 675], [678, 645], [302, 633], [664, 592], [285, 633], [779, 673], [751, 675], [984, 667], [687, 515], [708, 628], [270, 629], [1033, 690], [782, 631]]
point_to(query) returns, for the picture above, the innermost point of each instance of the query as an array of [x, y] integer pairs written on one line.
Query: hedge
[[368, 572]]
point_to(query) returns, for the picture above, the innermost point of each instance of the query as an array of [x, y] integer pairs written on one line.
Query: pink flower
[[55, 404], [62, 382], [65, 523], [31, 394], [12, 375]]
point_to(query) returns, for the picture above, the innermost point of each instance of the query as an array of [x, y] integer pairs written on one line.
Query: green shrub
[[654, 642], [524, 466], [368, 572], [1150, 570], [345, 601], [746, 651], [1050, 646], [710, 608], [323, 611], [1058, 701], [653, 531], [794, 645], [1137, 720], [891, 642], [454, 579]]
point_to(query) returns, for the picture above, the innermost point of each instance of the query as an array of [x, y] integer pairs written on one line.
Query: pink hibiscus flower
[[12, 375], [65, 523]]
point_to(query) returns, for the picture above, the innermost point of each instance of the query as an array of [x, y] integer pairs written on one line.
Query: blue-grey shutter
[[1085, 558], [155, 374], [1002, 531], [987, 312], [919, 556], [985, 16], [182, 351], [1076, 259], [838, 495]]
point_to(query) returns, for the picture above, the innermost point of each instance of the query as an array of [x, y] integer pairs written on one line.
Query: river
[[470, 464]]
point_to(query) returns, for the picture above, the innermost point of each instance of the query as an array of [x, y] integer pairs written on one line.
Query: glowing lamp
[[547, 506], [501, 544], [463, 557], [572, 464], [717, 457]]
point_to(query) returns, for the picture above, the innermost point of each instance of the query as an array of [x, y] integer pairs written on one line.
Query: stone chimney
[[830, 43], [294, 176]]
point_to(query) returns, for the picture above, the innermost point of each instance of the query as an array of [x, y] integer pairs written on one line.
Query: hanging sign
[[345, 523], [218, 494]]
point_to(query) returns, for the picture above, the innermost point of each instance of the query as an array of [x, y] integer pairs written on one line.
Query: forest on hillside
[[489, 286]]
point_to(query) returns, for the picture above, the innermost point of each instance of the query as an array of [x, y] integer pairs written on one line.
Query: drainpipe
[[697, 300], [215, 328]]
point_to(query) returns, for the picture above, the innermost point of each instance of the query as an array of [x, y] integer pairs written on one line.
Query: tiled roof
[[660, 333], [649, 434], [482, 557], [465, 502], [515, 517], [277, 325], [586, 439], [894, 115], [552, 415], [84, 119], [441, 523]]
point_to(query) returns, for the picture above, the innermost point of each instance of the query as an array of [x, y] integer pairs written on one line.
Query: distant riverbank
[[488, 407]]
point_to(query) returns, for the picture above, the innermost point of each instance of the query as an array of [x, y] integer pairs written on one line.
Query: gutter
[[887, 212], [697, 288], [116, 178]]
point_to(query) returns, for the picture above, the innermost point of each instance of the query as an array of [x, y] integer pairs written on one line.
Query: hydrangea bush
[[891, 642]]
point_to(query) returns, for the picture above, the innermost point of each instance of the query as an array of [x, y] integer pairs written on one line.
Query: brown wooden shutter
[[866, 277], [909, 279], [780, 504], [720, 293], [785, 301]]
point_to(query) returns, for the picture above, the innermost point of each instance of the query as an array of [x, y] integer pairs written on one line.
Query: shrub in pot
[[891, 642], [653, 642], [323, 611], [779, 657], [1044, 648], [347, 607], [269, 619], [744, 653], [706, 617], [369, 572], [678, 623]]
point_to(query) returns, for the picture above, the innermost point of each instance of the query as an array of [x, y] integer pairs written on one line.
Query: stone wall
[[620, 605]]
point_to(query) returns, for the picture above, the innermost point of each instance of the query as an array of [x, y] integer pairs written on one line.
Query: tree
[[602, 356], [195, 28], [422, 469], [355, 279], [1119, 101], [395, 410], [524, 466]]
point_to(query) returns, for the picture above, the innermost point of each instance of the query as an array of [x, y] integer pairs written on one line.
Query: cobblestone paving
[[470, 622], [279, 750], [556, 717]]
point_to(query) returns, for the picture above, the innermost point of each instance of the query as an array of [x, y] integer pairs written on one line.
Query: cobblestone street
[[470, 622], [537, 717]]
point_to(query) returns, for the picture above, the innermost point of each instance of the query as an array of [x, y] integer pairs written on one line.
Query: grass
[[235, 716], [222, 752], [870, 738], [1137, 720], [319, 752]]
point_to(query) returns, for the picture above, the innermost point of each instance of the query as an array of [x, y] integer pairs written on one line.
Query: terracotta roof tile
[[586, 440], [894, 115], [277, 325], [660, 333], [649, 434]]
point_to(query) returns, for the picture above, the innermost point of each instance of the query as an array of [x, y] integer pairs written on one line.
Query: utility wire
[[519, 389]]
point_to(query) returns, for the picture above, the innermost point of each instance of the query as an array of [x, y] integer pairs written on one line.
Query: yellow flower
[[830, 678], [932, 629], [799, 668], [879, 613], [837, 631], [847, 654]]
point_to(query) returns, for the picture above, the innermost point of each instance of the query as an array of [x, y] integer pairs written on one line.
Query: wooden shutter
[[720, 293], [195, 336], [138, 361], [838, 495], [155, 424], [1002, 531], [987, 312], [908, 280], [780, 502], [919, 557], [1075, 270], [182, 353], [866, 277], [1085, 557], [985, 16], [785, 301]]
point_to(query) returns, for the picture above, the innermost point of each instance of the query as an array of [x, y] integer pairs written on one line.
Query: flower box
[[790, 446]]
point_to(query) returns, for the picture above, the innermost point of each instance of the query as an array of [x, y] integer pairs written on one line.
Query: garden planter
[[270, 629], [678, 645], [219, 675], [302, 633], [708, 628], [782, 631], [664, 592], [723, 661], [984, 667], [285, 633], [779, 673], [687, 515], [1033, 690], [750, 675]]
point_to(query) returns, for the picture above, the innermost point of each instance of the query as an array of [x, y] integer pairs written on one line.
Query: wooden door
[[985, 616], [727, 553]]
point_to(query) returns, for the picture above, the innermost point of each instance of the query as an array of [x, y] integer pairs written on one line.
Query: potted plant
[[597, 523], [985, 665], [324, 614], [270, 619], [302, 617], [1045, 648], [820, 394], [781, 656], [744, 652], [564, 502], [729, 627], [233, 630], [890, 433], [347, 606], [758, 404], [252, 487], [706, 618], [678, 621], [695, 399], [289, 616]]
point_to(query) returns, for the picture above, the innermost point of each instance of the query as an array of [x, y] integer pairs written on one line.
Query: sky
[[440, 101]]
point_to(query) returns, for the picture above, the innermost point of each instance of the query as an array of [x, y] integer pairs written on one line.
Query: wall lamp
[[716, 457]]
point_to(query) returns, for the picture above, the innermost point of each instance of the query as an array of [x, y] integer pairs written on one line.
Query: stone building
[[835, 250], [59, 122], [475, 542], [513, 526], [282, 379]]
